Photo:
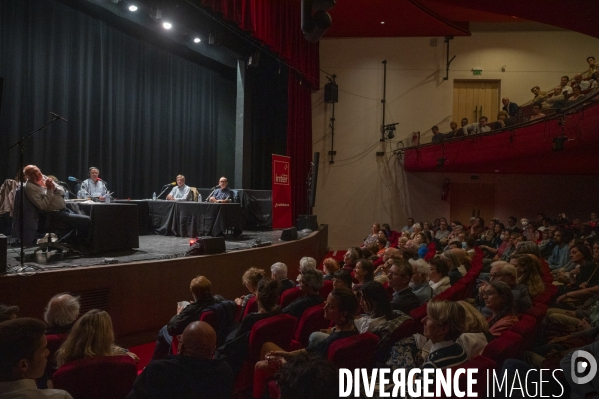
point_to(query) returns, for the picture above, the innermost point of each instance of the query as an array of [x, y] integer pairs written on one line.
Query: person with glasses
[[223, 193], [499, 300], [400, 275], [438, 277], [507, 273]]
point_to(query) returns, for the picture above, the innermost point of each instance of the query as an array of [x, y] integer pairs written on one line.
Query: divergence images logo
[[282, 173], [588, 365]]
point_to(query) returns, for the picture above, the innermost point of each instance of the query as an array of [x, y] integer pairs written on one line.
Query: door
[[472, 199], [475, 98]]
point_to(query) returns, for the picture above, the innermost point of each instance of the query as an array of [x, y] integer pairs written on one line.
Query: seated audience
[[342, 279], [23, 357], [503, 271], [510, 107], [234, 350], [200, 288], [528, 270], [540, 96], [420, 285], [381, 243], [455, 131], [531, 233], [373, 235], [308, 376], [250, 280], [511, 225], [329, 267], [278, 271], [579, 81], [556, 101], [409, 227], [61, 313], [480, 127], [576, 96], [477, 228], [310, 285], [503, 120], [438, 277], [388, 254], [91, 336], [374, 301], [476, 331], [456, 270], [8, 312], [565, 87], [192, 371], [499, 300], [340, 307], [442, 234], [400, 275], [536, 112], [560, 255], [585, 273], [349, 259], [437, 136], [306, 263], [363, 273], [421, 241]]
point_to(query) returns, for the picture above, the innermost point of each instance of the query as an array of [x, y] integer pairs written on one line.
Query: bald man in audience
[[584, 84], [193, 373], [510, 107], [61, 313]]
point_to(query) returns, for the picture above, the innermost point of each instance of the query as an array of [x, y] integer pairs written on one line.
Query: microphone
[[57, 116], [71, 178], [170, 184], [61, 182], [215, 187]]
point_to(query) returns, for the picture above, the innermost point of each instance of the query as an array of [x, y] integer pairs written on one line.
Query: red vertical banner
[[281, 192]]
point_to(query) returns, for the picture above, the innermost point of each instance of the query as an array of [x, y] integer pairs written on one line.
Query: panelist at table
[[222, 193], [181, 192], [94, 186]]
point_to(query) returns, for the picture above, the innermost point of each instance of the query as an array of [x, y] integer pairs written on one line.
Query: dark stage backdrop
[[139, 113]]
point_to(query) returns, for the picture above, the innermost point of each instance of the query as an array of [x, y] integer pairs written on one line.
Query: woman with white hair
[[61, 313], [278, 271], [306, 263]]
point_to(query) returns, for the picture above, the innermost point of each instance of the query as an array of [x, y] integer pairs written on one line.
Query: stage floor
[[151, 247]]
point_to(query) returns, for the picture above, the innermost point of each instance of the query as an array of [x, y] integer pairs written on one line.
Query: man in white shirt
[[480, 127], [584, 84], [181, 192], [23, 358], [564, 84]]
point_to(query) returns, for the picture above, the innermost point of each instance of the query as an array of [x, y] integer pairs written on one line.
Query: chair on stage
[[195, 194], [35, 222]]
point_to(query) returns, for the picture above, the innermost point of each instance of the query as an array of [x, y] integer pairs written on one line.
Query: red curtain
[[277, 24]]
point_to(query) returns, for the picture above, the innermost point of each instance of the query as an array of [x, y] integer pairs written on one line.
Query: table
[[193, 219], [143, 215], [113, 226]]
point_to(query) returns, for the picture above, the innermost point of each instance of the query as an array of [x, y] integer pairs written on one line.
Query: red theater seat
[[327, 287], [289, 296], [483, 365], [506, 346], [312, 320], [526, 327], [353, 352], [103, 377]]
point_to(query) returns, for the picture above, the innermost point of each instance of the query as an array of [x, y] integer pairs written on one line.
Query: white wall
[[359, 187]]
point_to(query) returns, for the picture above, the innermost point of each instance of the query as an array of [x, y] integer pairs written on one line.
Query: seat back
[[312, 320], [277, 329], [103, 377], [30, 218], [209, 316], [484, 366], [526, 327], [54, 342], [353, 352], [327, 287], [250, 307], [418, 314], [289, 296], [506, 346]]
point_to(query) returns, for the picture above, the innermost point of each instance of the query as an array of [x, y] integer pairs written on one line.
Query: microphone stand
[[21, 144], [164, 191], [210, 195]]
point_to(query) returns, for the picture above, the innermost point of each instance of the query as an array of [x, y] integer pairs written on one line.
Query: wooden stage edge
[[141, 297]]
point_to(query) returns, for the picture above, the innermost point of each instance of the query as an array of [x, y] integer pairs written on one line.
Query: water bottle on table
[[200, 198], [154, 196]]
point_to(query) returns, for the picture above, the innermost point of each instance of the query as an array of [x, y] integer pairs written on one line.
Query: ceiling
[[413, 18]]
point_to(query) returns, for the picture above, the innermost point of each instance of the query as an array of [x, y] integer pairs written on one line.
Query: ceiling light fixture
[[167, 25], [382, 22], [132, 8], [197, 40]]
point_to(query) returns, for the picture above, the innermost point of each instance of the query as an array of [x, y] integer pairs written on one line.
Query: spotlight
[[440, 162], [132, 8], [167, 25], [558, 143], [382, 22], [197, 40]]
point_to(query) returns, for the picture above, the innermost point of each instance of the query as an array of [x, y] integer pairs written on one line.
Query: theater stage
[[141, 291]]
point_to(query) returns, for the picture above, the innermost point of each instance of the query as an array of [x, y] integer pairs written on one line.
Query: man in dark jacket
[[400, 275], [193, 373], [202, 298]]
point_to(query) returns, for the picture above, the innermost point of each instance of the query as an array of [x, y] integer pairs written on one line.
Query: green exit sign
[[477, 71]]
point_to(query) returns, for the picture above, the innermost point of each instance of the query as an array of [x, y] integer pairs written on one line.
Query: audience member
[[388, 254], [438, 277], [536, 112], [499, 300], [8, 312], [408, 228], [308, 377], [476, 331], [190, 373], [310, 285], [363, 273], [511, 225], [510, 107], [374, 301], [349, 259], [592, 66], [441, 234], [437, 136], [539, 97], [455, 131], [419, 284], [480, 127], [456, 270], [556, 101], [560, 255], [329, 267], [23, 358], [342, 279], [278, 271], [250, 280], [200, 288], [421, 241], [91, 336], [372, 236], [565, 87], [400, 274], [576, 96], [61, 313], [528, 271], [463, 122], [583, 84], [503, 271]]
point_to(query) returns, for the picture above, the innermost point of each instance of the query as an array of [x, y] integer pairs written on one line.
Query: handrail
[[588, 100]]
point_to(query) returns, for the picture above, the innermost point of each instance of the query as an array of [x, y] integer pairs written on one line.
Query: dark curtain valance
[[139, 113]]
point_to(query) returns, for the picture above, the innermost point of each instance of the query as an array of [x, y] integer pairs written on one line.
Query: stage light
[[132, 8], [193, 241], [197, 40], [167, 25], [382, 22]]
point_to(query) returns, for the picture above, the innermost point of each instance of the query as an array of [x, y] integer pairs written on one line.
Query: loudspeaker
[[307, 222], [331, 93], [214, 245], [3, 260], [289, 234]]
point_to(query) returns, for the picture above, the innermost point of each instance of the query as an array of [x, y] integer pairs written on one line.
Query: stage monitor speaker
[[307, 222], [214, 245], [3, 259], [289, 234]]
